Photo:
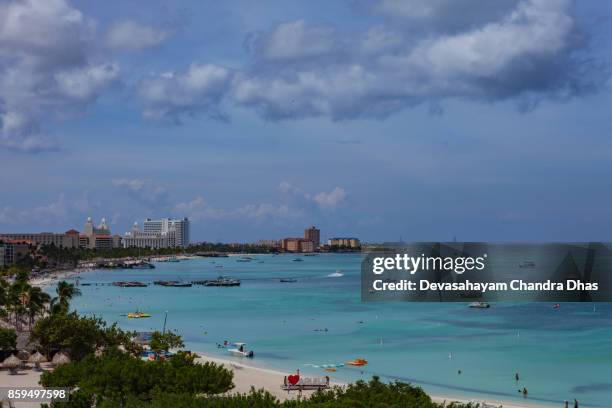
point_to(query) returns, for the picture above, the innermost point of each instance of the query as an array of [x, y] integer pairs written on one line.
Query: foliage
[[116, 378], [65, 292], [162, 342], [79, 335], [8, 339]]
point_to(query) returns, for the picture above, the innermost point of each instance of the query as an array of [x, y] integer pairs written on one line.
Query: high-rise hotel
[[161, 233]]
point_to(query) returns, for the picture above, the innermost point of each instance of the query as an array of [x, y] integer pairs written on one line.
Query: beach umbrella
[[23, 355], [12, 363], [60, 358], [37, 358]]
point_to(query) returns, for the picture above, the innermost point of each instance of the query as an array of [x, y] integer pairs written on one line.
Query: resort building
[[344, 242], [178, 228], [297, 245], [99, 237], [65, 240], [12, 251], [164, 233], [313, 234]]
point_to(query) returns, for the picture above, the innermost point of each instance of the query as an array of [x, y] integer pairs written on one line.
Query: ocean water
[[320, 319]]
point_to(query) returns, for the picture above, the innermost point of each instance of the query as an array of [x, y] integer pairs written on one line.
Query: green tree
[[162, 342], [79, 335], [116, 378], [8, 339], [65, 292]]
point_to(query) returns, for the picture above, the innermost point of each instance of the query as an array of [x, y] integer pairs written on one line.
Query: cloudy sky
[[425, 119]]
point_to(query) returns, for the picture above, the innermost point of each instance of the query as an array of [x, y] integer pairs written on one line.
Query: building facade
[[98, 237], [66, 240], [313, 234], [297, 245], [162, 233], [344, 242], [12, 251]]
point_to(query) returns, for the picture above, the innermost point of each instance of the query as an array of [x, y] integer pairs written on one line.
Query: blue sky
[[422, 119]]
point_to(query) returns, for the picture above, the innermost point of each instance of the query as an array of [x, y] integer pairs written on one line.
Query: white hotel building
[[162, 233]]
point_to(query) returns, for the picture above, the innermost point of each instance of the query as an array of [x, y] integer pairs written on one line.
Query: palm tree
[[37, 300], [65, 292]]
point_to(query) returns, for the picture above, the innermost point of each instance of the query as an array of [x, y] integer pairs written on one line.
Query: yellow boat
[[138, 315]]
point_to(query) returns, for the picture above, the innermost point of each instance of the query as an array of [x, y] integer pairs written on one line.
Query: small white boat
[[240, 351], [479, 305]]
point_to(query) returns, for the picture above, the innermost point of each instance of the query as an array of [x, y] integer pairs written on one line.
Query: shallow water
[[560, 354]]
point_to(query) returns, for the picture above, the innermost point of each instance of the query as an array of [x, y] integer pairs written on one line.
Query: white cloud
[[524, 51], [146, 193], [331, 199], [173, 94], [130, 36], [50, 214], [197, 209], [46, 69], [295, 39]]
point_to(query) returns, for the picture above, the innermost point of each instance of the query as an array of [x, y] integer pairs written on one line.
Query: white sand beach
[[247, 376]]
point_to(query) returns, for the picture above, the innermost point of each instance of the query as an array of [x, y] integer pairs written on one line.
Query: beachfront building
[[269, 243], [65, 240], [98, 237], [12, 251], [344, 242], [163, 233], [313, 234], [176, 229], [297, 245]]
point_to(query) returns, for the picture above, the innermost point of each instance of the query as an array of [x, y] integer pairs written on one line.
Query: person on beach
[[575, 403], [525, 392], [566, 404]]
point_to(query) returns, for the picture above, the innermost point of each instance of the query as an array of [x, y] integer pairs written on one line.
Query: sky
[[428, 120]]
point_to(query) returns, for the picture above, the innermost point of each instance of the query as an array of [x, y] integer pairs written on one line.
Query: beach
[[247, 376]]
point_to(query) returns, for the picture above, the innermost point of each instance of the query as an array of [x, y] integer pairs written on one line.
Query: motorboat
[[479, 305], [240, 351], [357, 362], [288, 280], [298, 260], [137, 315]]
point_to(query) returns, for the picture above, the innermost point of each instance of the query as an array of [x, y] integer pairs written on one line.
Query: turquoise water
[[560, 354]]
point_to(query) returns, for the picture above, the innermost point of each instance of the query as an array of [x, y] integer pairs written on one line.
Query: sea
[[319, 319]]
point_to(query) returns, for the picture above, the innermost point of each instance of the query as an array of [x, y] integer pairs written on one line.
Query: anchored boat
[[241, 351]]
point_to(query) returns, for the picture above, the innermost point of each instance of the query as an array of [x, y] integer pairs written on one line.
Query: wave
[[334, 275]]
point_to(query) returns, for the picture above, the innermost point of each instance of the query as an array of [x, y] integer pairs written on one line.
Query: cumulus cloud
[[45, 69], [331, 199], [197, 209], [49, 214], [524, 51], [144, 192], [130, 36], [323, 200], [171, 95], [294, 40]]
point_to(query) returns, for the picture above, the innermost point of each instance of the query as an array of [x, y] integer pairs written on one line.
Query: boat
[[172, 259], [298, 260], [479, 305], [221, 281], [288, 280], [243, 260], [142, 265], [132, 284], [175, 284], [241, 351], [357, 362], [137, 315]]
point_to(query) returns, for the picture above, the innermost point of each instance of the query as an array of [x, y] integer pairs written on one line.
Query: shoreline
[[247, 376]]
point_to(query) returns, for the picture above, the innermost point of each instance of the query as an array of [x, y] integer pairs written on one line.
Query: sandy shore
[[247, 376]]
